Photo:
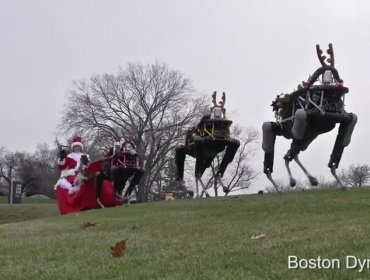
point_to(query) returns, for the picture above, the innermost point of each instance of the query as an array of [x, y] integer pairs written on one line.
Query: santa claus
[[71, 166]]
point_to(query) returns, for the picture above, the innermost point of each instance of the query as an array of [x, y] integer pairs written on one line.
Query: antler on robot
[[307, 112], [204, 141]]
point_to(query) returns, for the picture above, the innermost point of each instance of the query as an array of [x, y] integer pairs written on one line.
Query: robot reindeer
[[204, 141], [314, 108]]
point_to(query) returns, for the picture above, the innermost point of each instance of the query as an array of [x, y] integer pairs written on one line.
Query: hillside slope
[[196, 239]]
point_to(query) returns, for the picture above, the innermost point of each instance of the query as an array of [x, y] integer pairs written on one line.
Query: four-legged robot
[[121, 164], [203, 142], [307, 112]]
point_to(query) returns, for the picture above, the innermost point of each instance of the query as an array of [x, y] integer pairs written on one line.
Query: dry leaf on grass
[[258, 236], [119, 249], [88, 224]]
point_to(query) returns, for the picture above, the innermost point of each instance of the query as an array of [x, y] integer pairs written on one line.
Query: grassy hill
[[192, 239], [31, 208]]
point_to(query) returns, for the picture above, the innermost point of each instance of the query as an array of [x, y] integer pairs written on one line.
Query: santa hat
[[77, 141]]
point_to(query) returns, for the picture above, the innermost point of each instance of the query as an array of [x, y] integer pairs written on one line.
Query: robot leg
[[180, 154]]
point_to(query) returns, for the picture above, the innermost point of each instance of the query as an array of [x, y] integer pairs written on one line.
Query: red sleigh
[[85, 198]]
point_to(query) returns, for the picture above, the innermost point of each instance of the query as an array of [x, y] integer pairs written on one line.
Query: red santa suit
[[69, 167], [70, 197]]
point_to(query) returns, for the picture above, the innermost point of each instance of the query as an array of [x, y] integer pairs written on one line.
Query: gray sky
[[252, 50]]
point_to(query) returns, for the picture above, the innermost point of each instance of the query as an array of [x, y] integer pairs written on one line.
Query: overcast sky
[[252, 50]]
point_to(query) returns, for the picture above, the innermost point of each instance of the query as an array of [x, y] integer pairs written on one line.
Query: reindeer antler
[[222, 103], [214, 98], [330, 52], [322, 58]]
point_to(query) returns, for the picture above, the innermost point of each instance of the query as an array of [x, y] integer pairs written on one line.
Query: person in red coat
[[70, 165]]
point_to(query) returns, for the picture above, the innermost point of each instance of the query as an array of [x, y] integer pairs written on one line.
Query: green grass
[[194, 239], [31, 208]]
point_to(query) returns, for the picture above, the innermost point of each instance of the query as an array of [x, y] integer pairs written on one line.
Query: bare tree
[[150, 103], [356, 175], [8, 166], [26, 169], [38, 171], [15, 166], [42, 170]]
